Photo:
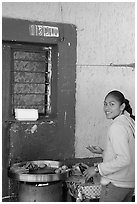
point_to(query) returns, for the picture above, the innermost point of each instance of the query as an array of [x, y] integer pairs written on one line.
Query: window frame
[[53, 85]]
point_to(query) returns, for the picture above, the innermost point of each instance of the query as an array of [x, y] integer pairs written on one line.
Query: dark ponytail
[[120, 97], [128, 108]]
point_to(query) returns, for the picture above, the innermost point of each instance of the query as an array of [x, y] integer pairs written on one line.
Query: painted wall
[[105, 34]]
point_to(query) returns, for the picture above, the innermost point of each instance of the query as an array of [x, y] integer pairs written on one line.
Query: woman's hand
[[90, 172], [95, 149]]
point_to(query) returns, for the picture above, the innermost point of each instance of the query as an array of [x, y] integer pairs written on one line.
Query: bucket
[[40, 192]]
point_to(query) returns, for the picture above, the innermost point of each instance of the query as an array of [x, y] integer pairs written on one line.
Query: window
[[31, 78]]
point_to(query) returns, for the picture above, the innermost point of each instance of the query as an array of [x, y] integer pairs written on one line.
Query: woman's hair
[[120, 97]]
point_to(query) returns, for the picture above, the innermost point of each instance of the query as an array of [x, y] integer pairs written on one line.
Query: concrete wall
[[105, 34]]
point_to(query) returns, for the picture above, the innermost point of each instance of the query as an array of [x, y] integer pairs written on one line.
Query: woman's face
[[112, 107]]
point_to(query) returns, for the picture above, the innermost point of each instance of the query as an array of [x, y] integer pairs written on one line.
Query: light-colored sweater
[[118, 166]]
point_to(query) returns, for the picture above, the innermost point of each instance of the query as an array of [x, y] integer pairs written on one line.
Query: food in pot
[[42, 165]]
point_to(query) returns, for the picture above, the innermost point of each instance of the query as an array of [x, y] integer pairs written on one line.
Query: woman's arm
[[119, 142]]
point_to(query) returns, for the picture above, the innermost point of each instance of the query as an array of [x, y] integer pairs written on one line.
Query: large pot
[[49, 192], [39, 185], [18, 172]]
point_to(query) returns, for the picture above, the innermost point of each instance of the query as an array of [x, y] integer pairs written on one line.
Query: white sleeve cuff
[[100, 171]]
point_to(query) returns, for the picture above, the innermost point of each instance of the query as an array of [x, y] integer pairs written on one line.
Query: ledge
[[89, 161]]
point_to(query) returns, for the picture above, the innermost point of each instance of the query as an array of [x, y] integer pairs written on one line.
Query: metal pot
[[20, 173], [49, 192]]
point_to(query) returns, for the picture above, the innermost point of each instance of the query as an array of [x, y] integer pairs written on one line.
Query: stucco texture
[[105, 31]]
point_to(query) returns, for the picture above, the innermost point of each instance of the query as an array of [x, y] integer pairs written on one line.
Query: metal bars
[[32, 72]]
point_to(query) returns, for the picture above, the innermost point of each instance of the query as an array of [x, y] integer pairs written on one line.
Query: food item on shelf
[[82, 168], [61, 169], [79, 168]]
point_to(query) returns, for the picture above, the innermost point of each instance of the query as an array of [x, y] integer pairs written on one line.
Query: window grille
[[31, 84]]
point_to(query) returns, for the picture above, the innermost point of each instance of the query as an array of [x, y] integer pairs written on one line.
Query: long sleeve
[[119, 151]]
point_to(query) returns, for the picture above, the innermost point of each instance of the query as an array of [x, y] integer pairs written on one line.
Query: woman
[[118, 167]]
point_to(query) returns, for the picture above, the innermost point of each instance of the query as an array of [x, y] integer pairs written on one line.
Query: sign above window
[[44, 31]]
